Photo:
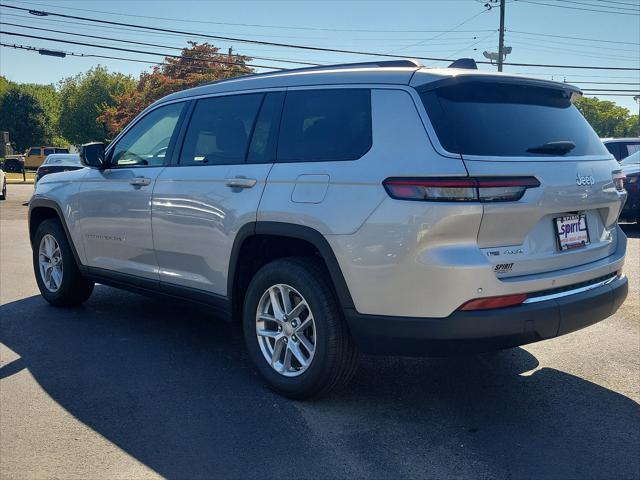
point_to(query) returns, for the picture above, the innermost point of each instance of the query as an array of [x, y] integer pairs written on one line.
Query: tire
[[3, 194], [335, 357], [73, 288]]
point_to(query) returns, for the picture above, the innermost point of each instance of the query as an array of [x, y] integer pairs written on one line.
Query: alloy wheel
[[286, 330], [50, 263]]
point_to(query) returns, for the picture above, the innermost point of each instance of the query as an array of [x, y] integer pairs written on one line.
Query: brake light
[[494, 302], [460, 189], [619, 180]]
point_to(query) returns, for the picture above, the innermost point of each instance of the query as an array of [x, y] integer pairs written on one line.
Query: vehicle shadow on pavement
[[174, 388]]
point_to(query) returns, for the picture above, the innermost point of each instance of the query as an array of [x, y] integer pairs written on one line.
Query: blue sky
[[434, 28]]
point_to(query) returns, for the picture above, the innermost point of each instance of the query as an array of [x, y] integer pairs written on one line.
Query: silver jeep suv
[[381, 207]]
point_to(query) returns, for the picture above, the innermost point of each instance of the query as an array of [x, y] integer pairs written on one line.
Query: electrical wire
[[254, 25], [170, 55], [323, 49], [575, 8], [144, 43]]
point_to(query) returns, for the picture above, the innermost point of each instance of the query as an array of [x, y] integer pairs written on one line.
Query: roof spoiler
[[468, 63]]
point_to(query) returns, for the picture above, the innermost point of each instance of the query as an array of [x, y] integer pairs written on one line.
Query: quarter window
[[147, 142], [220, 129], [325, 125]]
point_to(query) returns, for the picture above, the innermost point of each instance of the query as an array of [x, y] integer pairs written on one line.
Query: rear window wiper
[[560, 147]]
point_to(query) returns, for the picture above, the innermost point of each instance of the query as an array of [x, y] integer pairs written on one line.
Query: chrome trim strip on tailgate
[[574, 291]]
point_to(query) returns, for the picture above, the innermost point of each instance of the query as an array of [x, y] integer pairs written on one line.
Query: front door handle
[[140, 181], [240, 182]]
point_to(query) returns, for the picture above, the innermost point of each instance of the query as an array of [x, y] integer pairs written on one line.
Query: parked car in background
[[631, 169], [373, 207], [621, 148], [58, 162], [34, 157], [3, 182], [13, 164]]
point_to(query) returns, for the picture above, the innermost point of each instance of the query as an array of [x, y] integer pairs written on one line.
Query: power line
[[170, 55], [143, 43], [572, 38], [73, 54], [254, 25], [612, 7], [323, 49], [575, 8], [422, 42]]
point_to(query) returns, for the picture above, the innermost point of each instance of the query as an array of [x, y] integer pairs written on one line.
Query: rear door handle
[[240, 182], [140, 181]]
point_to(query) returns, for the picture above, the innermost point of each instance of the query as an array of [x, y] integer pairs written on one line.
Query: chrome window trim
[[553, 296]]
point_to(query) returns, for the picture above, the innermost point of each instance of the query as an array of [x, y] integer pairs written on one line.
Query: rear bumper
[[486, 330]]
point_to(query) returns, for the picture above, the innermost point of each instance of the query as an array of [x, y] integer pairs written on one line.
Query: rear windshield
[[491, 119]]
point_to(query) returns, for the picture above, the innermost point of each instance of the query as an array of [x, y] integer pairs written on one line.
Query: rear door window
[[507, 119], [220, 129], [325, 125], [49, 151]]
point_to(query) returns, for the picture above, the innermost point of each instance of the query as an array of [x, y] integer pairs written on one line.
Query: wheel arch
[[298, 238], [41, 209]]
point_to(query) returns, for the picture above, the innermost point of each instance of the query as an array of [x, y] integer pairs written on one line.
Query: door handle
[[240, 182], [140, 181]]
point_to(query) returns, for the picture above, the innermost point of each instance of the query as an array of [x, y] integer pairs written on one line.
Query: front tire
[[57, 274], [295, 331], [3, 194]]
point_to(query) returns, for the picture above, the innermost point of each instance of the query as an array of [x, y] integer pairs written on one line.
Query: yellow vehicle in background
[[34, 156]]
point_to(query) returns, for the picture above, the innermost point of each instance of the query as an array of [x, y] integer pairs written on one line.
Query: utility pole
[[501, 54]]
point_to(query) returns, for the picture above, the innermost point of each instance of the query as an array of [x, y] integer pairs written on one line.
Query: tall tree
[[22, 115], [84, 98], [607, 118], [198, 64]]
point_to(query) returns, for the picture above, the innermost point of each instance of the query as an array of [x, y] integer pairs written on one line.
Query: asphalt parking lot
[[134, 387]]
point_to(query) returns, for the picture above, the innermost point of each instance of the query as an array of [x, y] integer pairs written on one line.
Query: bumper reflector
[[494, 302]]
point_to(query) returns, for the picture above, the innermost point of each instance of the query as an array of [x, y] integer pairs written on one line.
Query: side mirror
[[92, 154]]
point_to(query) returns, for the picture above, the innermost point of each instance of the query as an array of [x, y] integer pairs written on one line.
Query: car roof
[[394, 72]]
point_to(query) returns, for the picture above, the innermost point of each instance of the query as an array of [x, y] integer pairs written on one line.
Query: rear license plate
[[572, 231]]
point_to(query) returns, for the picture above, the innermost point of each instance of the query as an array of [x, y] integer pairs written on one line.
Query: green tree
[[84, 98], [5, 85], [22, 115], [49, 99], [607, 118]]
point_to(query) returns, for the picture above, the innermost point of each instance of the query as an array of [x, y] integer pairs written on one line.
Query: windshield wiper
[[559, 147]]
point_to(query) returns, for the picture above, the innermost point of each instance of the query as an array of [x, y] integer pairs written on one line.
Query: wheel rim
[[50, 263], [286, 330]]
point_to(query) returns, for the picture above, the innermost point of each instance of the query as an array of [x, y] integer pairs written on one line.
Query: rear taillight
[[619, 180], [461, 189], [494, 302]]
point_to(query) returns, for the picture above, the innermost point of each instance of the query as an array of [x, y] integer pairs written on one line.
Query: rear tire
[[333, 358], [59, 279], [3, 194]]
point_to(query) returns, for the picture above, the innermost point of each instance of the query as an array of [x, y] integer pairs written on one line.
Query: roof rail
[[374, 64]]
